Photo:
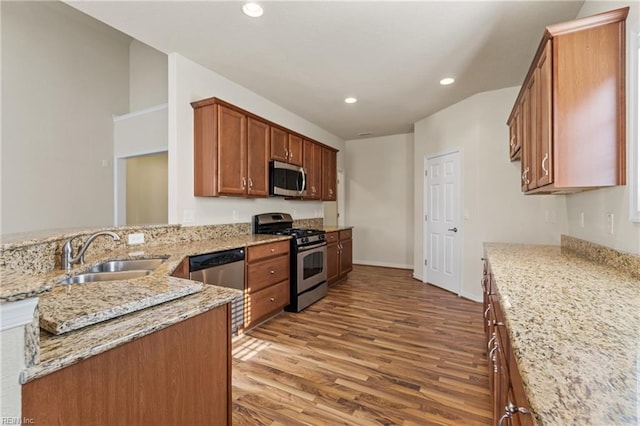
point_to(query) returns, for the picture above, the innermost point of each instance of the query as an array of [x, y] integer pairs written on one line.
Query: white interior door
[[442, 221]]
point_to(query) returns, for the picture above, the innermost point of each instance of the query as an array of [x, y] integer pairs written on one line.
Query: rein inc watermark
[[17, 421]]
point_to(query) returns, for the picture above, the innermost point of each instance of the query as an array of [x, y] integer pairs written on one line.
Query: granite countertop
[[335, 228], [90, 318], [574, 327], [57, 352], [73, 306]]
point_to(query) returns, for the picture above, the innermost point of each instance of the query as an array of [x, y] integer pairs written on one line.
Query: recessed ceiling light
[[252, 9], [447, 81], [350, 100]]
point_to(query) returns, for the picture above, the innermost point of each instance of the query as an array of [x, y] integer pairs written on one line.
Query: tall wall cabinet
[[568, 123]]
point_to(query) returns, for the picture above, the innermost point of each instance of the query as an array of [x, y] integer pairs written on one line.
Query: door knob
[[453, 229]]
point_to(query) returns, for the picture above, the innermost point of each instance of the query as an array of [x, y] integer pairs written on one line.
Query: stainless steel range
[[308, 278]]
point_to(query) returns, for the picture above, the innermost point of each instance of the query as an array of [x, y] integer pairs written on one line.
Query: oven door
[[312, 266]]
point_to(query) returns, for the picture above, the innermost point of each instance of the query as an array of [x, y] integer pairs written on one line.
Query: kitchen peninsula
[[189, 336]]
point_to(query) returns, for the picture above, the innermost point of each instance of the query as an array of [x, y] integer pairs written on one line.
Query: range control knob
[[322, 237], [305, 240]]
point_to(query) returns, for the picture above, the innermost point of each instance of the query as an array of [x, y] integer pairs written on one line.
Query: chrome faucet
[[67, 259]]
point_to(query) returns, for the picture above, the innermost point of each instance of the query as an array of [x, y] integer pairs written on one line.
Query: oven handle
[[315, 246]]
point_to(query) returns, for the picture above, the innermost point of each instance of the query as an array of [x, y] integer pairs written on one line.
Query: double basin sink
[[116, 270]]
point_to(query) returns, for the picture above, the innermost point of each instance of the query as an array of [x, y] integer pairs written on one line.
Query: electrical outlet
[[610, 223], [188, 216], [135, 238]]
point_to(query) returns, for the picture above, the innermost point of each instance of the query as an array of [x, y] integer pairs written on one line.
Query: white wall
[[596, 204], [190, 82], [379, 186], [63, 76], [495, 208], [148, 76], [12, 363]]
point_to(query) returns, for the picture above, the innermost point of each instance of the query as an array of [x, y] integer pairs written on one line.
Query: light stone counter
[[574, 325], [335, 228], [57, 352], [74, 306]]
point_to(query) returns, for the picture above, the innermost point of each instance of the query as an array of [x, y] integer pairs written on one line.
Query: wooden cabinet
[[333, 258], [572, 124], [312, 162], [182, 270], [515, 134], [329, 174], [267, 281], [286, 147], [339, 255], [177, 375], [509, 401], [231, 151]]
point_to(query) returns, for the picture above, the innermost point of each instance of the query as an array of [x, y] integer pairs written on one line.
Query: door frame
[[425, 229]]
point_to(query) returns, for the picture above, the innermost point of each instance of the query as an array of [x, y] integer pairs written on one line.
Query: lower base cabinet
[[509, 400], [180, 375], [339, 255]]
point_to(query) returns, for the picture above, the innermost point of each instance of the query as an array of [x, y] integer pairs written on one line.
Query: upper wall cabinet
[[231, 151], [312, 162], [329, 174], [568, 123], [286, 147]]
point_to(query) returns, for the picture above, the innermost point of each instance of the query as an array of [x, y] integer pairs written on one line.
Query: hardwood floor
[[380, 349]]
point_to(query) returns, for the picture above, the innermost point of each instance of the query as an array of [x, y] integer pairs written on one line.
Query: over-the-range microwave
[[287, 180]]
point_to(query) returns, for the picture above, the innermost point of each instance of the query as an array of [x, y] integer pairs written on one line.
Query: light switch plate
[[135, 238]]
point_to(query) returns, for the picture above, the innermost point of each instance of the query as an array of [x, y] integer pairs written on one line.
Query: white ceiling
[[308, 56]]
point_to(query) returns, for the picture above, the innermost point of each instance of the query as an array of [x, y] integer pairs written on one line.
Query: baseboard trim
[[382, 264], [470, 297]]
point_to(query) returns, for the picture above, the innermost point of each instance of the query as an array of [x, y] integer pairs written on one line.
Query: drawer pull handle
[[490, 342], [487, 311], [510, 410], [273, 299]]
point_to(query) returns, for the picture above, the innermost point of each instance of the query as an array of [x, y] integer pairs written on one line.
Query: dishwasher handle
[[210, 260]]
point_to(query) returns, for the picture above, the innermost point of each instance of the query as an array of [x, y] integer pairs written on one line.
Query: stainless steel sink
[[129, 265], [104, 276]]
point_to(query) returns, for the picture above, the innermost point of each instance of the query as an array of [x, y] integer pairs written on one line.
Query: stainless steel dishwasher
[[225, 269]]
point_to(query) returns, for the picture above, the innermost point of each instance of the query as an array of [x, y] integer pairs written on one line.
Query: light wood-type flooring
[[380, 349]]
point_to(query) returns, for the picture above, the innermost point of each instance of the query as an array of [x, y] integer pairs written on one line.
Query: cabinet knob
[[273, 250], [272, 272], [272, 299]]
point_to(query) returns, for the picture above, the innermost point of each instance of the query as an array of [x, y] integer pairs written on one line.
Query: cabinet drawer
[[264, 251], [268, 301], [332, 237], [267, 272], [345, 235]]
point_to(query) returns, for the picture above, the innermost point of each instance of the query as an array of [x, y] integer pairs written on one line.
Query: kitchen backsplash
[[601, 254], [35, 254]]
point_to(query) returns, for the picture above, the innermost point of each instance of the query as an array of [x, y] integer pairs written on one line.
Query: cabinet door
[[346, 256], [515, 135], [178, 375], [333, 260], [544, 153], [232, 152], [312, 162], [279, 145], [295, 150], [329, 175], [529, 177], [258, 133]]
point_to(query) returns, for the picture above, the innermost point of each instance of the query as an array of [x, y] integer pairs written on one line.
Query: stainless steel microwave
[[287, 180]]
